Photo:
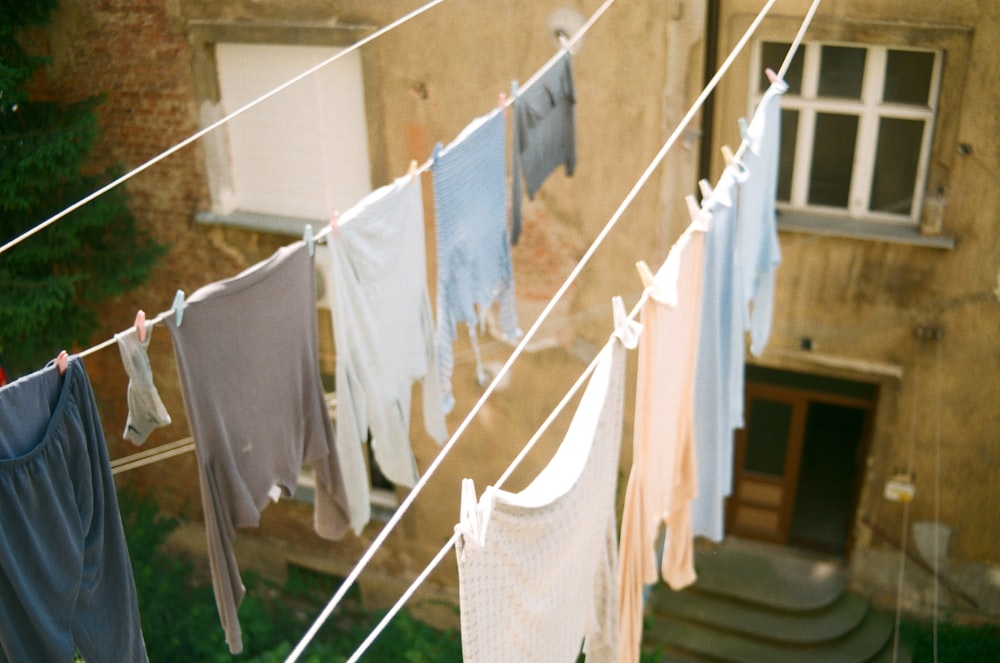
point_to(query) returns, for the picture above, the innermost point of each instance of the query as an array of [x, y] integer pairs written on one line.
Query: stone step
[[860, 645], [799, 627], [762, 575]]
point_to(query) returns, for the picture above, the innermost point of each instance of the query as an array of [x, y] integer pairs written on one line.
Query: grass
[[180, 621]]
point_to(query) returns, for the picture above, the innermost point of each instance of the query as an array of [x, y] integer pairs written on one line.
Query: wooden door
[[766, 463]]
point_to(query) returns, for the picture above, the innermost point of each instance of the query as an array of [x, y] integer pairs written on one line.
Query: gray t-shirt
[[247, 354]]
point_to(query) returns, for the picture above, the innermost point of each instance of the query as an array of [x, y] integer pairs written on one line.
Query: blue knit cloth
[[473, 250]]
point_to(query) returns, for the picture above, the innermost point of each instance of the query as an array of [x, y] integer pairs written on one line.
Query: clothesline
[[566, 46], [215, 125], [519, 349], [529, 445]]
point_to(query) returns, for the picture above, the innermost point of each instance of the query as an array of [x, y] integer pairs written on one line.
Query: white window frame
[[869, 109]]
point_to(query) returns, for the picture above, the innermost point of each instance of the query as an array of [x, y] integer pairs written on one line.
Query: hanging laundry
[[758, 251], [145, 409], [384, 334], [662, 481], [66, 581], [718, 380], [474, 267], [544, 133], [246, 353], [536, 568]]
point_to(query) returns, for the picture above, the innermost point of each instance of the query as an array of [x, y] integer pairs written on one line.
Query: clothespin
[[771, 76], [705, 187], [626, 330], [179, 307], [645, 274], [744, 130], [62, 360], [694, 209], [140, 325], [335, 223], [307, 237], [413, 168], [728, 155]]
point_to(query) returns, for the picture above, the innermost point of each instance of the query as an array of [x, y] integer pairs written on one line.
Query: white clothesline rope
[[432, 565], [490, 388], [542, 429], [567, 44], [215, 125], [519, 349]]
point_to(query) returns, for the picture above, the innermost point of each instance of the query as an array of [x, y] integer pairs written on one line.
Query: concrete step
[[861, 644], [797, 627], [770, 576]]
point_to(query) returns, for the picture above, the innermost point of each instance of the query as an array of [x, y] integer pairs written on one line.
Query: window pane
[[767, 437], [841, 71], [833, 159], [908, 77], [786, 158], [772, 55], [896, 165]]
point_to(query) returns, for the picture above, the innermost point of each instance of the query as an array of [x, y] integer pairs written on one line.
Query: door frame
[[787, 485]]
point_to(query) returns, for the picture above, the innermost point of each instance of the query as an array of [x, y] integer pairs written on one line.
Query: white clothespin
[[728, 155], [413, 168], [694, 209], [706, 188], [179, 307], [626, 330], [645, 274], [307, 237], [744, 129], [62, 360], [140, 325]]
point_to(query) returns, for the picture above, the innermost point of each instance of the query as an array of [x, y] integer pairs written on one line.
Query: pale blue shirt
[[759, 253], [384, 334], [473, 250]]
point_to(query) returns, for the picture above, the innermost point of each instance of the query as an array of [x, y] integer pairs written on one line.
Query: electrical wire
[[215, 125], [519, 349]]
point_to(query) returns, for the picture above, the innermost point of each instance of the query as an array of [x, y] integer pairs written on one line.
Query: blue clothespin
[[513, 90], [179, 307], [307, 237]]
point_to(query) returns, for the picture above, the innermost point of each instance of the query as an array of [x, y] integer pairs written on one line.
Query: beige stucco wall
[[637, 72], [424, 82], [861, 301]]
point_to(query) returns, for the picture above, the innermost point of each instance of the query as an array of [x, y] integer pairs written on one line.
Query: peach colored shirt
[[662, 481]]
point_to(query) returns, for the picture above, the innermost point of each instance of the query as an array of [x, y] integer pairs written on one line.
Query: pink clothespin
[[502, 103], [335, 223], [62, 360], [140, 325], [771, 76]]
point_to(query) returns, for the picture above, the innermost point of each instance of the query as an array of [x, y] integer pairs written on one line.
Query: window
[[857, 128], [302, 153]]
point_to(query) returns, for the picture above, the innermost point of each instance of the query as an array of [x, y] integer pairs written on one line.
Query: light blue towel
[[473, 250]]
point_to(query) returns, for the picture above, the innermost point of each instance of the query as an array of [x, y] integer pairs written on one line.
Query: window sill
[[269, 223], [830, 226]]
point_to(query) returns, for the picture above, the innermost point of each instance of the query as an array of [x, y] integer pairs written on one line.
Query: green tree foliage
[[52, 283]]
